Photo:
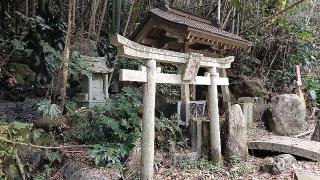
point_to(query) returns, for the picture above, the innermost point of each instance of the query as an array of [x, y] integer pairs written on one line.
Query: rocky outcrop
[[24, 111], [34, 157], [286, 115], [277, 164], [85, 46], [248, 88], [22, 75], [236, 133]]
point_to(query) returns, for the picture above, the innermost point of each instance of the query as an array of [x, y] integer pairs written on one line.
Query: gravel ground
[[24, 111]]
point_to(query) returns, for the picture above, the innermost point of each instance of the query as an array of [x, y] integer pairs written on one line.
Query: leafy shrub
[[168, 133], [14, 133], [113, 127], [44, 41]]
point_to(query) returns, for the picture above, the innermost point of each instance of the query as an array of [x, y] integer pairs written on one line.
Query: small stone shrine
[[95, 87]]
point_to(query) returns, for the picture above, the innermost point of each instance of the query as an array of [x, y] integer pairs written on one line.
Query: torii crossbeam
[[151, 75]]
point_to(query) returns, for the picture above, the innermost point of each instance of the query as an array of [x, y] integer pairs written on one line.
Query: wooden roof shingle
[[193, 28], [189, 20]]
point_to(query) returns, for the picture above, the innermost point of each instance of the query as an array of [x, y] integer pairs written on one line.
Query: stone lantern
[[95, 87]]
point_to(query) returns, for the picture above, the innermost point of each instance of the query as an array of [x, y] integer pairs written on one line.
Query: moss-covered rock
[[22, 74], [48, 123], [248, 88]]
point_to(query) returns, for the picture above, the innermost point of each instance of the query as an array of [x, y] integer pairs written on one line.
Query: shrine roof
[[98, 64], [189, 20], [199, 28]]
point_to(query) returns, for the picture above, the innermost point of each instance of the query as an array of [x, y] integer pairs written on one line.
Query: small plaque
[[192, 67]]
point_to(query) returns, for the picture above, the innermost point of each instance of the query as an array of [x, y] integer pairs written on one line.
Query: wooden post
[[215, 142], [106, 86], [148, 131], [299, 84], [90, 87], [199, 138]]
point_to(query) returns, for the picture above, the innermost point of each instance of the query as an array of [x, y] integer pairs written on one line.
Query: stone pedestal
[[247, 109], [247, 106]]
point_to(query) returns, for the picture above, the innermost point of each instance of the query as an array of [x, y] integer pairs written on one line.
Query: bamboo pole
[[148, 131]]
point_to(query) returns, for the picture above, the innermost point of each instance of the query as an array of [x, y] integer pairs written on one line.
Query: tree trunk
[[219, 11], [92, 22], [225, 23], [63, 73], [33, 8], [43, 6], [233, 20], [103, 14], [27, 8], [129, 18], [116, 15], [83, 14]]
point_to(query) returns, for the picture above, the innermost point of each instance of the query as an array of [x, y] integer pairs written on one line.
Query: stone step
[[295, 146]]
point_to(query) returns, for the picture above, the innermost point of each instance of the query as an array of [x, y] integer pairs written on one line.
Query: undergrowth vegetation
[[169, 134], [112, 128], [280, 46], [18, 136]]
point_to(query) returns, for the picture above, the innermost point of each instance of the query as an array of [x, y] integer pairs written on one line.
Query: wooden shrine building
[[175, 30], [171, 29]]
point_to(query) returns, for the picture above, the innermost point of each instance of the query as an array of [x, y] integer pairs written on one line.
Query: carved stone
[[95, 87], [236, 133]]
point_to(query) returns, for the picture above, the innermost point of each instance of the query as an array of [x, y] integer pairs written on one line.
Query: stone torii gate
[[150, 75]]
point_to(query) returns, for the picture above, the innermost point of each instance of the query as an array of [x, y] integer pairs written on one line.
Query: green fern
[[46, 109]]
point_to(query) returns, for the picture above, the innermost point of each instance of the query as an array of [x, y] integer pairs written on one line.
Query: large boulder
[[22, 74], [286, 115], [277, 164], [34, 157], [248, 88], [236, 134], [69, 168], [87, 47]]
